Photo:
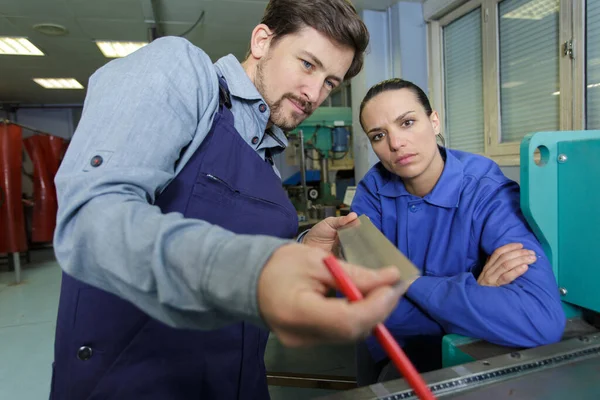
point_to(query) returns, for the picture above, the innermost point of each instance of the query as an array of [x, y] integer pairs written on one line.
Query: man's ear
[[260, 41]]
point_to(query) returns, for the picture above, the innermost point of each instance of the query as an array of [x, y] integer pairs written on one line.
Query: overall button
[[84, 353], [255, 140], [262, 107], [413, 208], [96, 161]]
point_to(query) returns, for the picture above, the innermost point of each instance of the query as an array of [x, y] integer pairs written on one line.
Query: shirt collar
[[241, 86], [446, 193], [238, 81]]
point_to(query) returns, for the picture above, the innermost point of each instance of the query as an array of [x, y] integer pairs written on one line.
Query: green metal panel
[[558, 201], [451, 353], [328, 116], [579, 222], [539, 186]]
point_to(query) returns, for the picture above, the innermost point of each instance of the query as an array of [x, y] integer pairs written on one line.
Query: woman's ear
[[435, 122]]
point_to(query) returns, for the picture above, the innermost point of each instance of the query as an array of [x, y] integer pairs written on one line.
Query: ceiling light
[[555, 93], [19, 46], [593, 85], [58, 83], [118, 49], [534, 9]]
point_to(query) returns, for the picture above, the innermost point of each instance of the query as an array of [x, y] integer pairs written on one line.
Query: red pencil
[[385, 338]]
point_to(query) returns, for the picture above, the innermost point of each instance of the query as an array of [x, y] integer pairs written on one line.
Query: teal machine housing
[[560, 191]]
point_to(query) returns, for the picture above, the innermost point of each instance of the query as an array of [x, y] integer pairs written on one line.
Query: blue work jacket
[[448, 234]]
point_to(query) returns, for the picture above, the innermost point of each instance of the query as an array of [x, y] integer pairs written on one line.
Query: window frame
[[571, 71]]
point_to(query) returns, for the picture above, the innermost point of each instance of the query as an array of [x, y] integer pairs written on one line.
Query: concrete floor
[[27, 323]]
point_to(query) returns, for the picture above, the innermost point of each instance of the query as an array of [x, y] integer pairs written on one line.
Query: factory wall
[[57, 121]]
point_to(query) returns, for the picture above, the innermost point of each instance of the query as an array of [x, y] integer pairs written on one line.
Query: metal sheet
[[363, 244], [480, 349], [572, 364]]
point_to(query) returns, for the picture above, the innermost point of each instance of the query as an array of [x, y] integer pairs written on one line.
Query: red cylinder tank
[[13, 238], [44, 193]]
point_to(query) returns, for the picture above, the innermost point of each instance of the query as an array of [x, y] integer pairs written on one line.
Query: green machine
[[324, 138], [560, 188]]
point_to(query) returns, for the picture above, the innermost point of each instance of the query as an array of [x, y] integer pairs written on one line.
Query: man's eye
[[306, 64]]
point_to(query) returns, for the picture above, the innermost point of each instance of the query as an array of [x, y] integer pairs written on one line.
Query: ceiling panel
[[26, 24], [246, 12], [28, 8], [109, 9], [204, 33], [226, 29], [9, 29], [98, 29], [182, 10]]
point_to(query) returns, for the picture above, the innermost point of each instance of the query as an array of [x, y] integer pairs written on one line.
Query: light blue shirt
[[145, 115], [448, 234]]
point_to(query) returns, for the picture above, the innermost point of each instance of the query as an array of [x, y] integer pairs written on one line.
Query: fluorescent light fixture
[[18, 46], [535, 10], [58, 83], [593, 85], [118, 49], [555, 93]]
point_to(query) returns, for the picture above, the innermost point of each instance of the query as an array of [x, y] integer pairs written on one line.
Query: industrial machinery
[[560, 185], [321, 144]]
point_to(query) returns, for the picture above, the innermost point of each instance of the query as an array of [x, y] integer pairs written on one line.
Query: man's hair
[[336, 19]]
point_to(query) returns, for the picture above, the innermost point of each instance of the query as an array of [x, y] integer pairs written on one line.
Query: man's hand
[[324, 234], [292, 301], [506, 264]]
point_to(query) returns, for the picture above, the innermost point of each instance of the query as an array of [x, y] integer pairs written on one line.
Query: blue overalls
[[107, 348]]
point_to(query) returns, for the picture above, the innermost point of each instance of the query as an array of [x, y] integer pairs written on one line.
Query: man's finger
[[366, 279], [511, 275], [502, 250], [333, 319], [339, 222]]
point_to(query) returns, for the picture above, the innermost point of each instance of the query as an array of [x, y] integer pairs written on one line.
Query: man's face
[[298, 72]]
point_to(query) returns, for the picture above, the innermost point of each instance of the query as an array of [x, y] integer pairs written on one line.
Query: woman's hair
[[397, 84]]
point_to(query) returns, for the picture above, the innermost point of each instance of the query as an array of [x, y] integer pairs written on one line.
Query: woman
[[448, 211]]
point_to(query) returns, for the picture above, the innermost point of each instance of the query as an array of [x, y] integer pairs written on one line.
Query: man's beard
[[278, 116]]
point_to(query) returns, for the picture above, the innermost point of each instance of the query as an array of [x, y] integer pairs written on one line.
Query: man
[[173, 226]]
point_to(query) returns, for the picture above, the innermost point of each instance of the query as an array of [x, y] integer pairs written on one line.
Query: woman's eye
[[377, 137], [408, 122]]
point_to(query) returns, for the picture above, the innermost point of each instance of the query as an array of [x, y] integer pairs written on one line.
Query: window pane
[[593, 64], [529, 77], [463, 83]]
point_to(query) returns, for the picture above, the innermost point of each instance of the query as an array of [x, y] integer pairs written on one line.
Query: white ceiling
[[225, 29]]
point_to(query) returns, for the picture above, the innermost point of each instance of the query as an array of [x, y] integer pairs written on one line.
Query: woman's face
[[401, 133]]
